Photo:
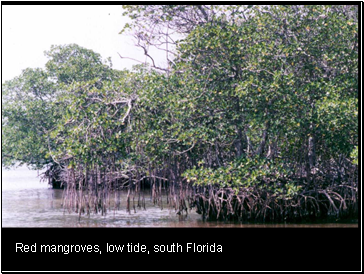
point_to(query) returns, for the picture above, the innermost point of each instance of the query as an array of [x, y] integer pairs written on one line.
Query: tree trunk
[[310, 159], [237, 143], [260, 149], [311, 152]]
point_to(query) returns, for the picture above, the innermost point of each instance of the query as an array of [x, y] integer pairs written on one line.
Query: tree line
[[253, 114]]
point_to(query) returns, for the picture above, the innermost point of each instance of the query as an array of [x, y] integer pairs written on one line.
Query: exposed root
[[96, 190]]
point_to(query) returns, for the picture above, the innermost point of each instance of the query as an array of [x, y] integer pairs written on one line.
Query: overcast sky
[[27, 31]]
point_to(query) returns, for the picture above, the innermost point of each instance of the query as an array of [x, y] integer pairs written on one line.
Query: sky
[[28, 31]]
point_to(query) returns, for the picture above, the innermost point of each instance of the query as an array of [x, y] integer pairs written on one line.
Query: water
[[27, 202]]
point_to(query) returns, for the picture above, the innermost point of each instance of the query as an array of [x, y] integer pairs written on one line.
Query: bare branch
[[182, 152], [129, 58]]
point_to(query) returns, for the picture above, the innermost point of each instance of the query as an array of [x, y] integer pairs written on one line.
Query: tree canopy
[[254, 113]]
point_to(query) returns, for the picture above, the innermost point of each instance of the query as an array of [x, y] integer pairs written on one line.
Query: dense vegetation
[[253, 116]]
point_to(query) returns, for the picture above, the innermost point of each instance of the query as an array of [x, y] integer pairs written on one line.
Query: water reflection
[[28, 203]]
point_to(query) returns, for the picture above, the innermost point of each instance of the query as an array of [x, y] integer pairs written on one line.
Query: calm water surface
[[27, 202]]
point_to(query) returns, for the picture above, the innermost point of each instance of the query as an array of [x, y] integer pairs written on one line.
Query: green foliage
[[247, 174], [28, 115], [36, 102], [354, 155], [72, 63], [256, 97]]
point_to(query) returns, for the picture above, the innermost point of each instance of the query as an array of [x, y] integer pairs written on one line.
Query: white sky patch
[[28, 31]]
